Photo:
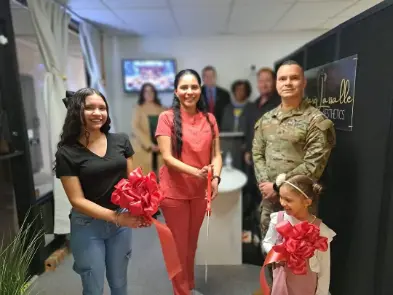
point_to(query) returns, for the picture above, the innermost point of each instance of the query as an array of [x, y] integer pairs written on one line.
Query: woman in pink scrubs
[[188, 138]]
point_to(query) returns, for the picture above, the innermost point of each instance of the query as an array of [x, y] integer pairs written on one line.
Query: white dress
[[319, 263]]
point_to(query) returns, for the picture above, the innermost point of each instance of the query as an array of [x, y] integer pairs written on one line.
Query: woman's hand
[[202, 173], [214, 188], [126, 219]]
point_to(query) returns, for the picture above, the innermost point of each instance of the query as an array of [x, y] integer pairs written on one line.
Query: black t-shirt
[[97, 175]]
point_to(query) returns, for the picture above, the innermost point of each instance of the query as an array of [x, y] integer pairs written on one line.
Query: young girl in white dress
[[296, 196]]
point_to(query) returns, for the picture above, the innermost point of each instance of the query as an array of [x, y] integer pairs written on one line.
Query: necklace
[[313, 218]]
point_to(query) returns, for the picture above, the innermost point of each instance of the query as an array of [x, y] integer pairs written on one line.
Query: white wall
[[231, 55]]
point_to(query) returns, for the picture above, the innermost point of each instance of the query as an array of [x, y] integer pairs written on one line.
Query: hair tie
[[69, 95], [280, 179]]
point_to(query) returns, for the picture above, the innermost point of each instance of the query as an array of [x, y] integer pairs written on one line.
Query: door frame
[[20, 160]]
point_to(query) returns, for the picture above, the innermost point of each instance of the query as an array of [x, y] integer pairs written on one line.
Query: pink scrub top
[[197, 152]]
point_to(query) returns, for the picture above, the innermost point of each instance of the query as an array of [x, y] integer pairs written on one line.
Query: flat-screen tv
[[159, 72]]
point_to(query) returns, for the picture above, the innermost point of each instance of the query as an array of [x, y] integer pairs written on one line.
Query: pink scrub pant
[[184, 218]]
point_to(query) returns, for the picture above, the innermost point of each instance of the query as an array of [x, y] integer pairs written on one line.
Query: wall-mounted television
[[159, 72]]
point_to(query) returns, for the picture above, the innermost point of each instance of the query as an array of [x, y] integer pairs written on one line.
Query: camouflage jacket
[[294, 142]]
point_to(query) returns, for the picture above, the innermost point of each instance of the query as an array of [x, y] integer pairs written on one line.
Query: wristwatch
[[218, 177]]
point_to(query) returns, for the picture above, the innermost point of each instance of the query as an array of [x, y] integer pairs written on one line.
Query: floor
[[147, 275]]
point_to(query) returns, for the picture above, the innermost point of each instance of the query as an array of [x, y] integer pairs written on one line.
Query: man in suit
[[216, 98]]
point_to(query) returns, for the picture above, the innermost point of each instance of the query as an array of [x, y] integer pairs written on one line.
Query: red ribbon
[[300, 243], [168, 247], [140, 195], [271, 257]]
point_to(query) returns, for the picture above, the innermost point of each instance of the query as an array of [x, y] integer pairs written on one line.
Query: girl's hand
[[126, 219]]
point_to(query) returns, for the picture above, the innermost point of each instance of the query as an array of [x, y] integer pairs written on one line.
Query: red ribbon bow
[[140, 195], [300, 243]]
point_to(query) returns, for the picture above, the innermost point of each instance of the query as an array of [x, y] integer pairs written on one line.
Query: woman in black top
[[89, 162]]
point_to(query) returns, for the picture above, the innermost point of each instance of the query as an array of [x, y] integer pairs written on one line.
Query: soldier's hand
[[267, 190]]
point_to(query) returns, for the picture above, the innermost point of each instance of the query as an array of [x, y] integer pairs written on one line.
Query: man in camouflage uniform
[[294, 138]]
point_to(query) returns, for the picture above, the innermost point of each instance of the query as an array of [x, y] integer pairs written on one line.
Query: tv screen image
[[161, 73]]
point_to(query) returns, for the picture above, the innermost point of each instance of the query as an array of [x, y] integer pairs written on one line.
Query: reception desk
[[224, 246]]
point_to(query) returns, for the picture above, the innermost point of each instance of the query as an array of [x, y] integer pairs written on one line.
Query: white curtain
[[90, 39], [50, 23]]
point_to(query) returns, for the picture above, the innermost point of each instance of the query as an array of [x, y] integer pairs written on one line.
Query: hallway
[[147, 275]]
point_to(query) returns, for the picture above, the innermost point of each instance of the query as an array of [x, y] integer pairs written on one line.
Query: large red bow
[[300, 243], [140, 195]]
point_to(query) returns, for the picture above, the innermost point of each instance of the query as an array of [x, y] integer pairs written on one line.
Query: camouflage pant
[[268, 207]]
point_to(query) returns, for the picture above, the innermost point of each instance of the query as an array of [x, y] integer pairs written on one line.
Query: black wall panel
[[358, 201], [321, 52]]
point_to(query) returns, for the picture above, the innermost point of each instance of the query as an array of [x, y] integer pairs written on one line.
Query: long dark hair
[[75, 119], [177, 142], [141, 99]]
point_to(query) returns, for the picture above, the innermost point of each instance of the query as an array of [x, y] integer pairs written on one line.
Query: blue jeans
[[98, 247]]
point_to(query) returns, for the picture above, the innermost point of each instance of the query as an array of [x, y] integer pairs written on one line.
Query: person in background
[[296, 197], [143, 128], [189, 142], [267, 100], [90, 161], [233, 119], [216, 98]]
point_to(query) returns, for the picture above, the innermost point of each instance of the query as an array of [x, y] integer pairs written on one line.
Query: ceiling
[[216, 17]]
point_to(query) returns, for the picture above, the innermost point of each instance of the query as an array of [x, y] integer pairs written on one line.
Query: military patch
[[325, 124], [331, 136]]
